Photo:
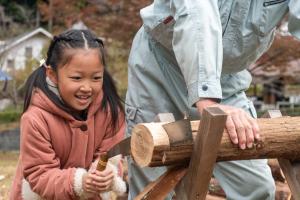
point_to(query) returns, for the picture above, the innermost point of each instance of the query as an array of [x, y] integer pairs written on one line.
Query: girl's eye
[[98, 78], [75, 77]]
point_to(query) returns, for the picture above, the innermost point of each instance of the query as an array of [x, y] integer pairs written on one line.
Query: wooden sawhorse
[[192, 182]]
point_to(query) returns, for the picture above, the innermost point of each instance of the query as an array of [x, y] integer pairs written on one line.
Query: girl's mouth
[[83, 99]]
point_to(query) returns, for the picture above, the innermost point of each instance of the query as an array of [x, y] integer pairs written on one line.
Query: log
[[280, 138]]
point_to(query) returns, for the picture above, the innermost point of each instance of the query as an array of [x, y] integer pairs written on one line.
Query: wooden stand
[[195, 184], [192, 182]]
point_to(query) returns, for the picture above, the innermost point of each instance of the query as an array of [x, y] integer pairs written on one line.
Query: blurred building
[[16, 51], [276, 74]]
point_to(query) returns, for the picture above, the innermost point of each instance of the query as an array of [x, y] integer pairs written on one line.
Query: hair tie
[[100, 41], [43, 63]]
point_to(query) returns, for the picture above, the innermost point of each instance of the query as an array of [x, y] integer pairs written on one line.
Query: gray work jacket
[[213, 39]]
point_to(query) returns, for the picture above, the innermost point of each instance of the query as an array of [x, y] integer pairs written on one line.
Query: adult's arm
[[294, 18], [197, 44]]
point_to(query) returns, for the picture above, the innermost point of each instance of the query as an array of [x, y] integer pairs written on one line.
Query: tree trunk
[[280, 137], [50, 20]]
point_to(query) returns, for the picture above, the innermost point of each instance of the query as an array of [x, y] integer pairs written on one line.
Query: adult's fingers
[[255, 127], [248, 130], [240, 130], [230, 126]]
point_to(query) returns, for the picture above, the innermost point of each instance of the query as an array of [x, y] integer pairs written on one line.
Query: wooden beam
[[195, 184], [150, 143], [291, 172], [161, 187]]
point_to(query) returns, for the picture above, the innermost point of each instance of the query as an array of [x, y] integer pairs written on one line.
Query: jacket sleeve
[[197, 44], [113, 136], [41, 167], [294, 18]]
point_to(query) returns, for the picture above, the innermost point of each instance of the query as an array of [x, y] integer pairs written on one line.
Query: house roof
[[79, 25], [17, 40]]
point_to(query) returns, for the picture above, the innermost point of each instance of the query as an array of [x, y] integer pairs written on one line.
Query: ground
[[8, 126], [8, 163]]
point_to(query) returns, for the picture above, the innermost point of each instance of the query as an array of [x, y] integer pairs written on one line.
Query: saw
[[178, 131]]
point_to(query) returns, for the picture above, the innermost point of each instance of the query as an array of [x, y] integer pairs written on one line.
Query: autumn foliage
[[116, 19]]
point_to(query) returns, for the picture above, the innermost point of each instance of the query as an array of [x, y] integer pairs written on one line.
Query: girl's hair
[[57, 56]]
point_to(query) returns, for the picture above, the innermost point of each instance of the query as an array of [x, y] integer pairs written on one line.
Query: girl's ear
[[51, 74]]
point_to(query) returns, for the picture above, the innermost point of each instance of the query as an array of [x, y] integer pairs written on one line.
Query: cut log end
[[142, 140], [146, 137]]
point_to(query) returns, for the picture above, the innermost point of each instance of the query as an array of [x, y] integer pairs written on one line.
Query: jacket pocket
[[266, 15], [163, 32], [131, 118], [130, 112]]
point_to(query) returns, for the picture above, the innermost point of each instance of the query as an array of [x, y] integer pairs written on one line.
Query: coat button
[[83, 127], [204, 87]]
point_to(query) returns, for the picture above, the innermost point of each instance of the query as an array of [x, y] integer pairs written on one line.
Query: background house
[[16, 51]]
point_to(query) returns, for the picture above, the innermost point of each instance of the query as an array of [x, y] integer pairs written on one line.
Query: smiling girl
[[72, 113]]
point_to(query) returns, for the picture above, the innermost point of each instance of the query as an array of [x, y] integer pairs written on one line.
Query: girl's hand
[[93, 166], [241, 127], [97, 182]]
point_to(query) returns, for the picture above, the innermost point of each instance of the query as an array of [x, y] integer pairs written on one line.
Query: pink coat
[[55, 146]]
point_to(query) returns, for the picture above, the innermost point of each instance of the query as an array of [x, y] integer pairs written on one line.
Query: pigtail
[[36, 78], [111, 99], [110, 94]]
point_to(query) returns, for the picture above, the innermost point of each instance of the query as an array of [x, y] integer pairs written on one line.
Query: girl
[[72, 113]]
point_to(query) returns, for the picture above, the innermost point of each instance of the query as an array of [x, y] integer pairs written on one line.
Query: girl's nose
[[86, 88]]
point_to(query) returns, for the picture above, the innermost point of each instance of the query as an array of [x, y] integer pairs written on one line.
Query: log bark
[[280, 138]]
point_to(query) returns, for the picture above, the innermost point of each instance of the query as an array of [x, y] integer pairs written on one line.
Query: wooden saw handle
[[102, 162]]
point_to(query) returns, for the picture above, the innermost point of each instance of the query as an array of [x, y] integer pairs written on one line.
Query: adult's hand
[[242, 128]]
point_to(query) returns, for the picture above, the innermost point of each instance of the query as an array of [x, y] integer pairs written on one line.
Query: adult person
[[192, 54]]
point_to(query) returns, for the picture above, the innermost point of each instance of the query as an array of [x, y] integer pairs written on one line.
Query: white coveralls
[[202, 51]]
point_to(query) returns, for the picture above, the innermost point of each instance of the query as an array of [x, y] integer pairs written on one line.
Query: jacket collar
[[41, 100]]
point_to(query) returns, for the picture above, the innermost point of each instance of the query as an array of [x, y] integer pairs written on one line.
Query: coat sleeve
[[113, 136], [41, 167], [197, 44], [294, 18]]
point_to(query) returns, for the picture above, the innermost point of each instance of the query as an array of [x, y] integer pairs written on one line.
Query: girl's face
[[81, 79]]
